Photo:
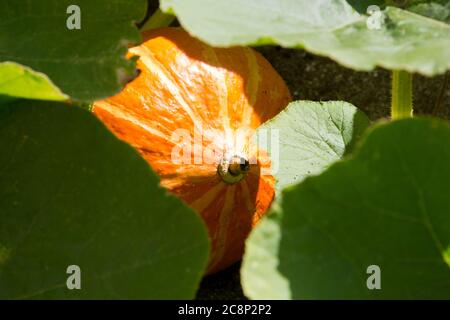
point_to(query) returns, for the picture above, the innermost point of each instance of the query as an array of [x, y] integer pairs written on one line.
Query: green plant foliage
[[73, 194], [387, 205], [433, 10], [23, 82], [362, 5], [86, 64], [311, 136], [405, 41]]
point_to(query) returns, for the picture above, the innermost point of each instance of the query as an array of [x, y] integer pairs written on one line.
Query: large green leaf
[[307, 136], [73, 194], [20, 81], [332, 28], [388, 205], [86, 64]]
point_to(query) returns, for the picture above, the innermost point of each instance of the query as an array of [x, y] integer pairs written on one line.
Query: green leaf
[[310, 136], [433, 10], [362, 5], [388, 205], [406, 41], [73, 194], [86, 64], [23, 82]]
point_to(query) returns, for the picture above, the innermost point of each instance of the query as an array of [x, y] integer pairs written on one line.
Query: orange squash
[[191, 114]]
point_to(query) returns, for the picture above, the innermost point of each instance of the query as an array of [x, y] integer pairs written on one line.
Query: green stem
[[401, 104], [158, 20]]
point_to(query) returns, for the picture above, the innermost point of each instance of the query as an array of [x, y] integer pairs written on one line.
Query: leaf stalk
[[158, 20], [402, 95]]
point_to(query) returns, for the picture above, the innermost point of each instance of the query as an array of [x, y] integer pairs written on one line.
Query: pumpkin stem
[[233, 169]]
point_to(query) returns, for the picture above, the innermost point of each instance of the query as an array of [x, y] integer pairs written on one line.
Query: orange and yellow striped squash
[[204, 104]]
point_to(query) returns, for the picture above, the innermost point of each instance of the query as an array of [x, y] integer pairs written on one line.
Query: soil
[[310, 77]]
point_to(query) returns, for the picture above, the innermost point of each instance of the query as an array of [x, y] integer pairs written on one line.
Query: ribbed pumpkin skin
[[186, 84]]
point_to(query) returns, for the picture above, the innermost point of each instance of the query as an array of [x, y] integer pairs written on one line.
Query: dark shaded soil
[[316, 78], [225, 285]]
